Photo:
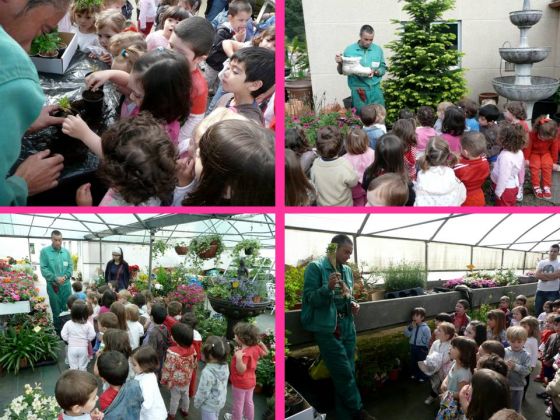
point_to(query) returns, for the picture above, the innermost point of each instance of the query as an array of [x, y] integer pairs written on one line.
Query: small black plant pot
[[93, 102], [248, 251]]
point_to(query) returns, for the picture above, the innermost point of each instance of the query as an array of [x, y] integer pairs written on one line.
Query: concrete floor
[[12, 385]]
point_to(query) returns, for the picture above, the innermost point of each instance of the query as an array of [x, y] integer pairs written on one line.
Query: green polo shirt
[[21, 101], [372, 58], [320, 304], [55, 263]]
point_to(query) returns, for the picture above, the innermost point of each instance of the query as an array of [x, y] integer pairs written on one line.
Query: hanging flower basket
[[210, 252], [181, 249]]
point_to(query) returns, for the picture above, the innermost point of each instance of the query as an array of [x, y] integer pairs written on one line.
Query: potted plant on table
[[404, 279], [46, 45]]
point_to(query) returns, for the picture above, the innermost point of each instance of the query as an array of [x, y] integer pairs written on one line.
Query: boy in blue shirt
[[419, 334]]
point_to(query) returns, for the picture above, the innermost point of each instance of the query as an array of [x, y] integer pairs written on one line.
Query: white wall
[[331, 26]]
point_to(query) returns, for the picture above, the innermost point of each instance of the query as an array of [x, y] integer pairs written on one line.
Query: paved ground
[[12, 385]]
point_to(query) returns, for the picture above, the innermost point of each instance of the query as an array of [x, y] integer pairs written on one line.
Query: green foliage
[[202, 244], [88, 4], [158, 248], [505, 277], [220, 291], [311, 123], [266, 370], [297, 59], [404, 276], [253, 244], [46, 43], [293, 286], [295, 25], [480, 312], [64, 104], [421, 66], [208, 325], [32, 345]]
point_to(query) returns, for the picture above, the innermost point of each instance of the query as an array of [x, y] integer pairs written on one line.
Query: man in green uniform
[[328, 311], [365, 90], [56, 268]]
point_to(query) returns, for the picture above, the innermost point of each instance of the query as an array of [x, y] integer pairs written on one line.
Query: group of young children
[[139, 342], [466, 360], [171, 146], [430, 158]]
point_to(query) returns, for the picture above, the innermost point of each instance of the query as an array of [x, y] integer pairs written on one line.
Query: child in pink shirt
[[426, 117], [360, 156], [242, 370], [453, 127]]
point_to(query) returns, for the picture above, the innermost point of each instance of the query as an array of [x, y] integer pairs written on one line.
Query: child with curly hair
[[506, 173]]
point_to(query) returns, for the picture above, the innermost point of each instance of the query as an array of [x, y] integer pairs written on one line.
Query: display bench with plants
[[52, 52]]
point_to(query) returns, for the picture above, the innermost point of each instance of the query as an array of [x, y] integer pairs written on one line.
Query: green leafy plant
[[404, 276], [247, 244], [423, 68], [88, 4], [64, 104], [505, 277], [266, 370], [220, 291], [18, 346], [293, 286], [158, 248], [211, 325], [46, 43], [201, 245], [297, 59], [312, 122]]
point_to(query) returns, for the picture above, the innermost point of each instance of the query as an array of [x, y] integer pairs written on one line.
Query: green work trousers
[[338, 354], [373, 95]]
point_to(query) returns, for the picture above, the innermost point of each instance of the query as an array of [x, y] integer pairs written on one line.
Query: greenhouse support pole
[[524, 261], [472, 254], [426, 258], [152, 238], [502, 263], [100, 256], [355, 249]]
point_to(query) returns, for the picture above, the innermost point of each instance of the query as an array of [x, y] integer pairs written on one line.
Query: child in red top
[[473, 167], [405, 129], [242, 369], [541, 153], [178, 368], [504, 306], [460, 317], [515, 113], [546, 332], [190, 319]]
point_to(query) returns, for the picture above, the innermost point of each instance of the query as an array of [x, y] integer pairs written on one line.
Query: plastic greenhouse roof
[[521, 232], [135, 228]]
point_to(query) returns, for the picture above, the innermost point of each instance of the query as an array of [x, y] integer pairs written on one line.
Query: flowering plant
[[266, 366], [311, 123], [32, 405], [473, 283], [16, 286], [240, 292], [188, 294], [133, 269]]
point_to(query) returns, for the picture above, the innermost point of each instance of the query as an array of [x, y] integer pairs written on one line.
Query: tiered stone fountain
[[523, 86]]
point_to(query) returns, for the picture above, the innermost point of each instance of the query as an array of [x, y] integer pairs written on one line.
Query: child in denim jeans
[[419, 334]]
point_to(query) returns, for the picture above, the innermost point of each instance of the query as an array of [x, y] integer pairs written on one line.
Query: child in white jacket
[[436, 183], [438, 363]]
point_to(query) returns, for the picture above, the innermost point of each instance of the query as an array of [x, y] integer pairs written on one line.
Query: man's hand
[[338, 58], [61, 280], [355, 308], [40, 172], [45, 119], [334, 278]]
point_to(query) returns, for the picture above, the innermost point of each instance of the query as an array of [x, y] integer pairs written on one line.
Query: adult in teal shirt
[[21, 98], [328, 311], [365, 90], [56, 268]]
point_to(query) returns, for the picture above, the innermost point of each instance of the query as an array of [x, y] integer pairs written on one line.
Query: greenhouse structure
[[219, 268], [405, 261]]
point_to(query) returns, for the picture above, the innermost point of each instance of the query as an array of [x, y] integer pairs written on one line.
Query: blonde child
[[541, 153], [78, 333], [517, 314], [169, 18], [442, 106], [83, 14], [179, 365], [389, 189], [425, 116], [135, 329], [332, 175], [506, 172], [118, 309], [438, 363], [145, 363], [496, 323], [473, 168], [380, 113], [436, 183], [126, 48], [108, 24], [360, 156], [405, 129], [242, 369], [519, 364], [531, 325], [211, 394], [463, 354]]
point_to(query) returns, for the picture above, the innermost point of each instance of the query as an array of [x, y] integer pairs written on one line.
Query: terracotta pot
[[210, 252], [300, 89], [181, 250], [488, 95], [258, 389], [257, 299]]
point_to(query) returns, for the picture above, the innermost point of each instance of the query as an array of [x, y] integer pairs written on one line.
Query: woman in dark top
[[117, 271]]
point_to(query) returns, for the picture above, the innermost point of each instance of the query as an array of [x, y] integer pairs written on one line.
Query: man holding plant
[[328, 311], [56, 268]]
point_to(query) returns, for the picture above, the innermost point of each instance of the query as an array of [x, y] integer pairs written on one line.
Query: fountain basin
[[540, 88], [525, 18], [524, 55]]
